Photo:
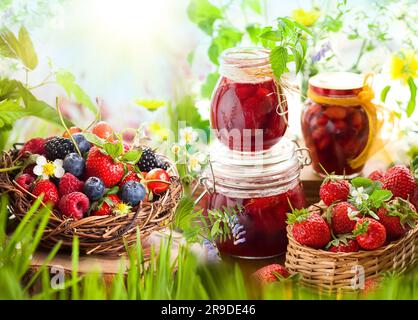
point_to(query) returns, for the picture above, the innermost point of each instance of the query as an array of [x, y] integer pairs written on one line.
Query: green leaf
[[303, 28], [92, 138], [298, 59], [150, 104], [204, 14], [413, 98], [209, 85], [10, 111], [226, 38], [361, 182], [113, 149], [67, 80], [132, 156], [272, 35], [278, 60], [20, 48], [27, 51], [384, 93], [254, 5], [379, 196], [254, 32]]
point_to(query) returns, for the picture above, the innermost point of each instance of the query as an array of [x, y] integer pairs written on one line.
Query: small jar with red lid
[[259, 188], [248, 108], [335, 125]]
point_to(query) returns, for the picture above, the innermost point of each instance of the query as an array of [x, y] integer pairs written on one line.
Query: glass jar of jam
[[335, 123], [249, 108], [258, 188]]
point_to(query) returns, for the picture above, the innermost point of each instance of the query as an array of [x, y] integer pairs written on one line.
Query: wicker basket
[[97, 234], [344, 271]]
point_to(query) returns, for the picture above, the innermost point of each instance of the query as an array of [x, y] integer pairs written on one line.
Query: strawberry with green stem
[[370, 234], [333, 189]]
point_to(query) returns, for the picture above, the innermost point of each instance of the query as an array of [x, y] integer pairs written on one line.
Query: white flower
[[187, 136], [47, 168], [359, 195], [352, 214], [195, 161], [175, 149]]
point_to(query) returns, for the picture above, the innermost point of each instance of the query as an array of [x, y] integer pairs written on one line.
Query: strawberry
[[104, 167], [398, 217], [25, 181], [270, 273], [400, 181], [342, 217], [376, 175], [370, 234], [309, 229], [333, 190], [49, 190], [69, 183], [107, 206], [74, 205], [371, 285], [347, 245], [34, 146], [131, 176]]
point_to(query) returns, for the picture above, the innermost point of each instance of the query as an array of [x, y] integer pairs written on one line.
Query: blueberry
[[82, 143], [94, 188], [74, 163], [132, 193]]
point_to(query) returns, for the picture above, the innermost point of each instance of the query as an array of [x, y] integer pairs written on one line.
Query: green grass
[[164, 277]]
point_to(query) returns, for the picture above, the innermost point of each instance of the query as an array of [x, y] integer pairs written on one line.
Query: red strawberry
[[49, 190], [107, 205], [376, 175], [25, 181], [333, 190], [131, 176], [69, 183], [309, 229], [34, 146], [371, 285], [400, 181], [270, 273], [74, 205], [342, 217], [104, 167], [370, 234], [350, 246], [398, 217]]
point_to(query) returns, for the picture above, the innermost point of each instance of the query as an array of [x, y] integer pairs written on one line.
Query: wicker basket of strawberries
[[359, 230], [99, 188]]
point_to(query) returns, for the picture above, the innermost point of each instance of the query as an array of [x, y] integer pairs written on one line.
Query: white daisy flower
[[187, 136], [46, 169], [195, 162], [359, 195]]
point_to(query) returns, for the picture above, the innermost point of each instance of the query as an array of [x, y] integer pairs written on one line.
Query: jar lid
[[255, 174], [337, 81]]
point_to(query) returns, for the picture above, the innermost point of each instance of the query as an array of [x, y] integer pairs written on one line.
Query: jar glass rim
[[246, 56]]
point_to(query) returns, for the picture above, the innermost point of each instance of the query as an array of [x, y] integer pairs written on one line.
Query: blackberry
[[162, 164], [58, 148], [148, 160]]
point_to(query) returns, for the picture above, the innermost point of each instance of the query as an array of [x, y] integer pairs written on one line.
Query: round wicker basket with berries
[[359, 230], [97, 187]]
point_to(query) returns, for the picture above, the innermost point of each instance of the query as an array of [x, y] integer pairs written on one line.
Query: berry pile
[[86, 173], [363, 214]]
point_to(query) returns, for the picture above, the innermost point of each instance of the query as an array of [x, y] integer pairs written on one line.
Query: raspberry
[[58, 148], [25, 181], [49, 190], [69, 183], [74, 205], [34, 146]]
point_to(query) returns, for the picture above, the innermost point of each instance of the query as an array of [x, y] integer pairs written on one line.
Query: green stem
[[10, 168], [66, 128], [360, 55]]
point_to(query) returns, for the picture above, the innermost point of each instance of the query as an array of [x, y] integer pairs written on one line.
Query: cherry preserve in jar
[[248, 109], [258, 188], [337, 121]]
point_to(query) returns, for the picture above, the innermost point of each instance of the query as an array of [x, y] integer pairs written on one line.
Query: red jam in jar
[[248, 109], [258, 188], [335, 132]]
